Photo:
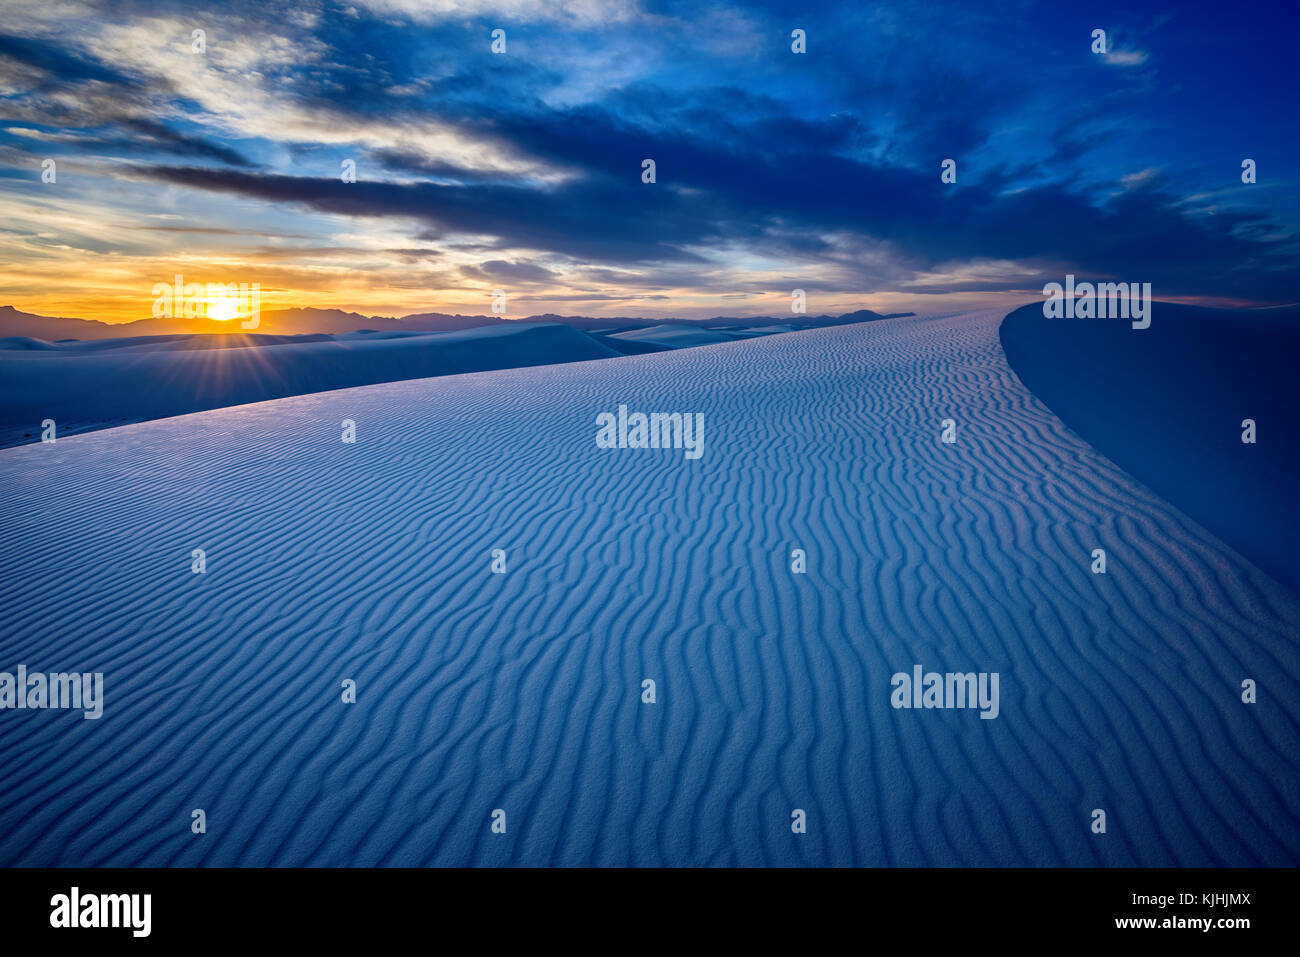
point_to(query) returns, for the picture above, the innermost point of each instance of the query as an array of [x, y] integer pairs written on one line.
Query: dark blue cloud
[[59, 65]]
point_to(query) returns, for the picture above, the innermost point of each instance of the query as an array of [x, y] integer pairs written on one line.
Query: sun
[[223, 308]]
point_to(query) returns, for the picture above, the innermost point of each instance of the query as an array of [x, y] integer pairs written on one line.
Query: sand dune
[[674, 336], [101, 383], [1167, 404], [522, 691]]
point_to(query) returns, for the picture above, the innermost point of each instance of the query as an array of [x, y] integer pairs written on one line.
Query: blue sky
[[522, 170]]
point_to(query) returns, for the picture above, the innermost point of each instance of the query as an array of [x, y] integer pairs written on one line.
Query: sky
[[522, 170]]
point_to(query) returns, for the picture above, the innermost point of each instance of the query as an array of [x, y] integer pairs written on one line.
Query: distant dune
[[1167, 404], [675, 335], [84, 386], [112, 380], [522, 691]]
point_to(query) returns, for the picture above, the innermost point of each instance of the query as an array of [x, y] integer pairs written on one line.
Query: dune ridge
[[522, 691]]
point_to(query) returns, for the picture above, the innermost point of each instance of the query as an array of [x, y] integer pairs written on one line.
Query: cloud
[[510, 11], [789, 204], [499, 270], [1141, 178], [774, 169], [1125, 57]]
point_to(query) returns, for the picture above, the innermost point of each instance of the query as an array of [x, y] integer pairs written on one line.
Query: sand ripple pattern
[[522, 691]]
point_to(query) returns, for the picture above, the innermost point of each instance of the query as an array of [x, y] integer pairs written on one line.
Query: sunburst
[[223, 308]]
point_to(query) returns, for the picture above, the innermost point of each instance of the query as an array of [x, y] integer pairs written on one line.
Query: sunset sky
[[523, 170]]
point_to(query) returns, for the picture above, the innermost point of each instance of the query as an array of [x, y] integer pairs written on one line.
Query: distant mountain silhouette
[[304, 321]]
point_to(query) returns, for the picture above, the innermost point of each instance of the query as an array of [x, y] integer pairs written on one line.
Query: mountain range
[[304, 321]]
